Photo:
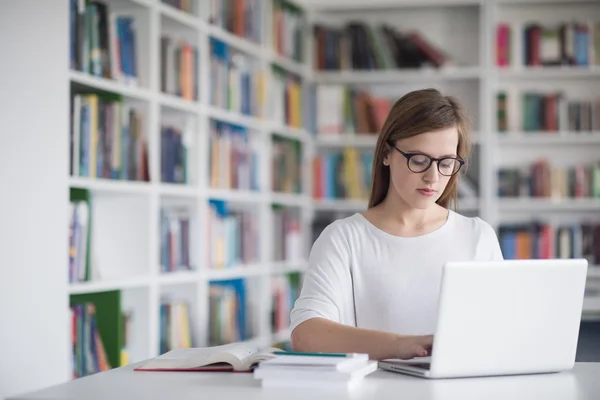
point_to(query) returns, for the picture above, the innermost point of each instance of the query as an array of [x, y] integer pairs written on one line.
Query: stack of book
[[322, 370]]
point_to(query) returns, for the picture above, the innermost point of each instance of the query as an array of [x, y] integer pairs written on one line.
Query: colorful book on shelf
[[235, 357], [105, 350]]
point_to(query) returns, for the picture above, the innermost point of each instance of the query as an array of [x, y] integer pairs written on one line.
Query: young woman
[[373, 280]]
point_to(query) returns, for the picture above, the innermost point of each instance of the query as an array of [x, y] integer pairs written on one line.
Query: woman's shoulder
[[471, 225], [342, 227], [349, 231]]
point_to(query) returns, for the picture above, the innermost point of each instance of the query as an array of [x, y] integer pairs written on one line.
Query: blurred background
[[167, 164]]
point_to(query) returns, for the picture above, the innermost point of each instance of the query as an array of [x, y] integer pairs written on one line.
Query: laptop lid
[[508, 317]]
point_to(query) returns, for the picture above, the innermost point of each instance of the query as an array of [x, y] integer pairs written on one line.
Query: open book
[[229, 357]]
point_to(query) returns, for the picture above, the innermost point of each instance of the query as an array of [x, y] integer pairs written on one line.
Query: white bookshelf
[[126, 214], [465, 29]]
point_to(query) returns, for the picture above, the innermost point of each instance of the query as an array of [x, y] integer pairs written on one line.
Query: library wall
[[34, 333]]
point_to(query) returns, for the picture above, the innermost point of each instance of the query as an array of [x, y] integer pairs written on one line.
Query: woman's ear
[[386, 155]]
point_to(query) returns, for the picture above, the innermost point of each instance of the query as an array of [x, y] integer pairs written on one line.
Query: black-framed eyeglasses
[[419, 163]]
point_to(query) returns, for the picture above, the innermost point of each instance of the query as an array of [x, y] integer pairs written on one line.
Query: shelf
[[110, 186], [287, 267], [397, 76], [560, 72], [347, 140], [101, 286], [543, 204], [594, 272], [289, 65], [290, 132], [181, 17], [242, 271], [108, 85], [178, 277], [234, 195], [178, 190], [346, 5], [468, 204], [179, 104], [247, 46], [537, 138], [144, 3], [340, 205], [591, 305], [289, 199], [235, 118], [540, 2]]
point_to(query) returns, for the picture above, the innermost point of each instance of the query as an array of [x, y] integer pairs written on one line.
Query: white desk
[[583, 382]]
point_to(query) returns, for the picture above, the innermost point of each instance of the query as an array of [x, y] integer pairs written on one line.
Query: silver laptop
[[504, 318]]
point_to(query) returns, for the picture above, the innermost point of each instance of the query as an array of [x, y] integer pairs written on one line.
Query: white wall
[[34, 324]]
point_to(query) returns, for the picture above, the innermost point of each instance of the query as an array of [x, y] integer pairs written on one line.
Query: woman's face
[[421, 190]]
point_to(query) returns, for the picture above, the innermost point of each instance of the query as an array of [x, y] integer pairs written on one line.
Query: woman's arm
[[320, 334]]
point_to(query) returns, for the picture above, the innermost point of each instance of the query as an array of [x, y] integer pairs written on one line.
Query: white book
[[303, 374], [317, 362]]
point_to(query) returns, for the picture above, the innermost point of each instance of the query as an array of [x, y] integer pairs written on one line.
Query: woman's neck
[[396, 217]]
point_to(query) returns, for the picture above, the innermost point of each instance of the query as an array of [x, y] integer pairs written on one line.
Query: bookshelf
[[480, 65], [178, 234], [178, 105]]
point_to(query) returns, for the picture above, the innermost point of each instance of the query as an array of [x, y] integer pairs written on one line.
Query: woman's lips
[[426, 192]]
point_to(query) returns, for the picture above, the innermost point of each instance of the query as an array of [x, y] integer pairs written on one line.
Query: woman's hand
[[414, 346]]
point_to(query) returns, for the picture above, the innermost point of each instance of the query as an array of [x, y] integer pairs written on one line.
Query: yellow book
[[92, 100], [186, 340]]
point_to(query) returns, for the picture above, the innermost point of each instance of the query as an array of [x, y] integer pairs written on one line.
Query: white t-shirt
[[393, 281]]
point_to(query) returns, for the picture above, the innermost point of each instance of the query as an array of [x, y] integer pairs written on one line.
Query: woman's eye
[[419, 160]]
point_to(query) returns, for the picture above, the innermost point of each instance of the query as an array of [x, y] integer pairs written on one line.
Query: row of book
[[362, 46], [107, 138], [236, 80], [288, 30], [285, 289], [345, 109], [544, 240], [233, 238], [228, 312], [80, 216], [187, 6], [286, 165], [102, 42], [233, 157], [179, 68], [541, 179], [344, 174], [287, 99], [175, 325], [240, 17], [564, 43], [89, 355], [100, 332], [288, 244], [175, 234], [551, 112]]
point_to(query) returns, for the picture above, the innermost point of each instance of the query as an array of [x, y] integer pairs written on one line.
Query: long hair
[[414, 113]]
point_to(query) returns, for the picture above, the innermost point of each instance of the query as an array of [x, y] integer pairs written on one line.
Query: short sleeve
[[327, 287], [489, 244]]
